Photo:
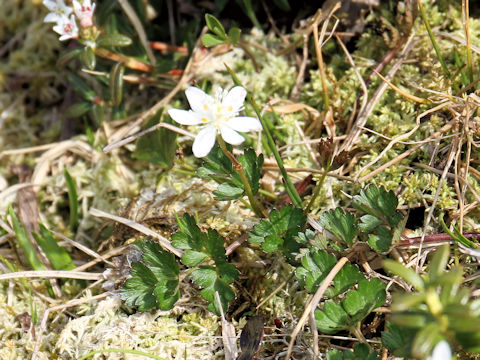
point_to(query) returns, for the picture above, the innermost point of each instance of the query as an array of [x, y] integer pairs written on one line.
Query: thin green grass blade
[[25, 242], [59, 257], [72, 200]]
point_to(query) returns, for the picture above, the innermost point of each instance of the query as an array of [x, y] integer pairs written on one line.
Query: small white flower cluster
[[65, 16]]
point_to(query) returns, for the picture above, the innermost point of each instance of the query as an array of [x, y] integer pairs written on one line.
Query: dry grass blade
[[228, 333], [139, 227], [365, 113], [52, 274], [401, 92], [444, 129]]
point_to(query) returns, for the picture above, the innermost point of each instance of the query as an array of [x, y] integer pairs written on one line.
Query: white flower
[[217, 113], [67, 28], [442, 351], [58, 10], [84, 11]]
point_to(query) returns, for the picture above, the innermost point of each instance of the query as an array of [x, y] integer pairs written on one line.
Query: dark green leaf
[[252, 167], [88, 58], [115, 39], [154, 282], [193, 258], [341, 224], [159, 146], [381, 240], [161, 262], [116, 83], [78, 109], [139, 290], [72, 200], [332, 318], [280, 230], [360, 352], [282, 4], [376, 201], [81, 87], [167, 294], [369, 295]]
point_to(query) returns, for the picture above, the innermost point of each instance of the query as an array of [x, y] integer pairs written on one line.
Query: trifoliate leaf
[[279, 232], [154, 281], [341, 224], [332, 318], [316, 266], [211, 281], [201, 247], [369, 295], [376, 201], [381, 239], [353, 309], [218, 167], [368, 223]]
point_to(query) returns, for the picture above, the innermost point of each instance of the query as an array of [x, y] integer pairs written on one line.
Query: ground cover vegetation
[[238, 180]]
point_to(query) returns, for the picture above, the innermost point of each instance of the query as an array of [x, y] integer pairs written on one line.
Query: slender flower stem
[[289, 187], [256, 207], [317, 189]]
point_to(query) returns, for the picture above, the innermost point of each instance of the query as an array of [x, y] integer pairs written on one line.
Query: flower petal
[[197, 99], [185, 117], [204, 141], [442, 351], [52, 17], [235, 98], [231, 136], [245, 124]]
